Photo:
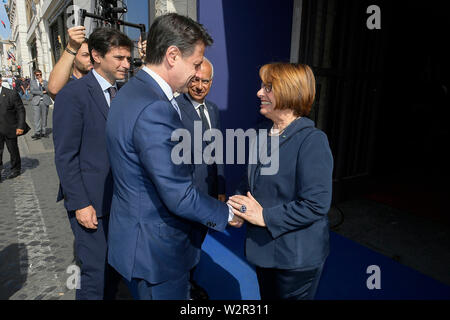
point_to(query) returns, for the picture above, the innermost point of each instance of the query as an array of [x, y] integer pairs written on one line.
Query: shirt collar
[[104, 84], [195, 103], [161, 82]]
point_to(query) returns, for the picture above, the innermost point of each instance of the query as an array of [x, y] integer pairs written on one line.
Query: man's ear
[[96, 55], [172, 54]]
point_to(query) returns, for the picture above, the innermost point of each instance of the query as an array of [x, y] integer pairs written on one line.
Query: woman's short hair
[[293, 85]]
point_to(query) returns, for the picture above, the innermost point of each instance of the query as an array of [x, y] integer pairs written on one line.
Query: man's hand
[[87, 217], [222, 197], [76, 37], [19, 132], [142, 47], [236, 222]]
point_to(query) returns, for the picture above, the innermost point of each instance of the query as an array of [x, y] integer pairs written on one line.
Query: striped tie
[[112, 92]]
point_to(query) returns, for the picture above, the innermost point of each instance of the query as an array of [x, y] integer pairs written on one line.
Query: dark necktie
[[203, 117], [112, 92]]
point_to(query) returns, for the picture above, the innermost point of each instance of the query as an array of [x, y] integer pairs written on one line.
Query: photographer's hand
[[142, 47], [76, 37]]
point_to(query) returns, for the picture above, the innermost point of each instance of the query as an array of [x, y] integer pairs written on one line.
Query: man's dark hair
[[36, 71], [173, 29], [103, 39]]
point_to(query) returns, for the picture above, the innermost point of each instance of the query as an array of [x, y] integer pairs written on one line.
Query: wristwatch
[[70, 51]]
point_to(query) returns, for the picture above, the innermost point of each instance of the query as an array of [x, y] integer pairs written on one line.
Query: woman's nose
[[259, 94]]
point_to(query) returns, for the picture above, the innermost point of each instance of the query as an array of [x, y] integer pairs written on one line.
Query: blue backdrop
[[247, 34]]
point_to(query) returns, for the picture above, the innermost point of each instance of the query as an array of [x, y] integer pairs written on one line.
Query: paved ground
[[36, 242]]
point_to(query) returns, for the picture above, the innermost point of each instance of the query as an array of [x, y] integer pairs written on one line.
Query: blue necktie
[[175, 105]]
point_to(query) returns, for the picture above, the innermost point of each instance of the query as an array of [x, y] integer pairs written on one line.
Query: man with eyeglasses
[[207, 178], [39, 103]]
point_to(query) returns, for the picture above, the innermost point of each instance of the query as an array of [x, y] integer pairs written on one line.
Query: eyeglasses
[[204, 81], [267, 87], [38, 75]]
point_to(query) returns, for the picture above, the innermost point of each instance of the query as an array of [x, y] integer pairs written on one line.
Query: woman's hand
[[253, 210]]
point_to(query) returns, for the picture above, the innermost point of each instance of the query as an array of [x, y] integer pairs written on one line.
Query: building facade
[[19, 12], [39, 27]]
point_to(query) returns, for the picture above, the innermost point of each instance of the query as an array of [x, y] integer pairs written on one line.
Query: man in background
[[74, 63], [40, 102], [207, 178], [12, 124]]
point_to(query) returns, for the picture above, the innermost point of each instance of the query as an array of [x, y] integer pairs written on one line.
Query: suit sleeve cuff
[[270, 223]]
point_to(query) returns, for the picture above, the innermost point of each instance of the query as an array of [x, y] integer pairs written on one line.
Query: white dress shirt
[[197, 109], [164, 87], [104, 84]]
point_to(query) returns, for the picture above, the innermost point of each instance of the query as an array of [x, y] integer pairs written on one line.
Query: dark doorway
[[382, 98]]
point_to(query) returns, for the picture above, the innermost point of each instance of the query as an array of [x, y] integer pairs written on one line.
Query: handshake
[[245, 208]]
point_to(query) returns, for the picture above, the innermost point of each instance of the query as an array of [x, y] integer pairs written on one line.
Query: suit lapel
[[146, 78], [189, 109], [97, 94], [2, 96], [253, 162], [299, 125], [212, 115]]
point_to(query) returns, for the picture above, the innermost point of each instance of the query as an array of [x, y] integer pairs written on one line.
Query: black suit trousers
[[297, 284], [13, 148]]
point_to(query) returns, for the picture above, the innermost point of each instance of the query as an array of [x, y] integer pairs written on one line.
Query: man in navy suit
[[194, 107], [79, 121], [157, 214]]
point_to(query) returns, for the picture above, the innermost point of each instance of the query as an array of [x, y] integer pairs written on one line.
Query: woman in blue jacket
[[287, 233]]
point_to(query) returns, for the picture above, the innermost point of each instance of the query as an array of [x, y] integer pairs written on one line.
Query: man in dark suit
[[194, 107], [40, 102], [157, 215], [79, 120], [12, 124]]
